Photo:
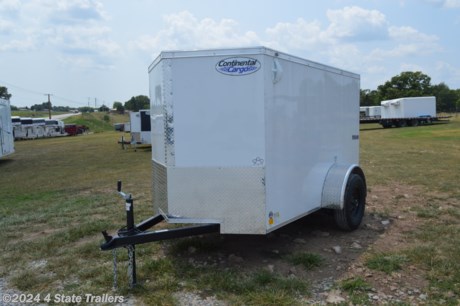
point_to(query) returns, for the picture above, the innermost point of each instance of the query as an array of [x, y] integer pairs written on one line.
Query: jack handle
[[121, 193]]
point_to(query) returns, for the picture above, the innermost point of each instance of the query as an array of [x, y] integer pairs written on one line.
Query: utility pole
[[49, 105]]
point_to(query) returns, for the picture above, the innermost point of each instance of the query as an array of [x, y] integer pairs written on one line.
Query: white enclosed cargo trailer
[[253, 139], [6, 129], [370, 112], [375, 111], [243, 142], [140, 127], [408, 111], [409, 107]]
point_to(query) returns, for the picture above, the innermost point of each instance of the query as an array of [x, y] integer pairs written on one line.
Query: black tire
[[349, 218], [402, 123], [386, 124]]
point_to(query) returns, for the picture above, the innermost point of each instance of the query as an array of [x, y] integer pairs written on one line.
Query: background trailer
[[252, 139], [140, 126], [409, 107], [6, 129]]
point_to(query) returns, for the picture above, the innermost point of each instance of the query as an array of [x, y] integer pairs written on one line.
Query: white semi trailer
[[411, 111], [6, 129]]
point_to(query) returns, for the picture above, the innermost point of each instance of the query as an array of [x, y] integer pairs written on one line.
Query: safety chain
[[130, 265], [115, 276]]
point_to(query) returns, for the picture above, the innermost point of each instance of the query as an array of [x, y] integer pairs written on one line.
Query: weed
[[386, 263], [307, 260], [355, 284], [357, 289]]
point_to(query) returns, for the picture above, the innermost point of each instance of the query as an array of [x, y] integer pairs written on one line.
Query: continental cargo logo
[[238, 66]]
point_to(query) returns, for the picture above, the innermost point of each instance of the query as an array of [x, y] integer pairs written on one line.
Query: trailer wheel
[[350, 216], [402, 123], [414, 122], [386, 124]]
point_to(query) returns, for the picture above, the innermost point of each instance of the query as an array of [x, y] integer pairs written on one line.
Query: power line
[[21, 88], [30, 91]]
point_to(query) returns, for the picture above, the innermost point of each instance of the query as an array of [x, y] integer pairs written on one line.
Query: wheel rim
[[355, 203]]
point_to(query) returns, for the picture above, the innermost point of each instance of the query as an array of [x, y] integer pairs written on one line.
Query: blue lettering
[[238, 66]]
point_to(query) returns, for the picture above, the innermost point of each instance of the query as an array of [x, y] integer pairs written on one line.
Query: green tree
[[369, 97], [4, 93], [136, 103], [40, 107], [457, 107], [119, 107], [446, 98], [406, 84], [104, 108], [86, 109]]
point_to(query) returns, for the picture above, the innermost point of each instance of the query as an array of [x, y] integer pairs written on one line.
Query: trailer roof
[[247, 51], [4, 101]]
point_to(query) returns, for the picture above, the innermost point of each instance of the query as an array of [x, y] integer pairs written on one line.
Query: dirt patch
[[389, 219]]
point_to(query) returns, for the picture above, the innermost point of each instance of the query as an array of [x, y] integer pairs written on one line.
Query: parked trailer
[[140, 127], [411, 111], [403, 112], [240, 145], [24, 130], [54, 128], [6, 129], [370, 112], [32, 128]]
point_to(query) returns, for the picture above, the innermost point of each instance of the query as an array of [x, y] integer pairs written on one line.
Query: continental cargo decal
[[238, 66]]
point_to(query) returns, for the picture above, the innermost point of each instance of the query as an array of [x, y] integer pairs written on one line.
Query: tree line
[[406, 84], [134, 104], [413, 84]]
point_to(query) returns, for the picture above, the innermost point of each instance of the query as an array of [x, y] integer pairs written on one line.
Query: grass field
[[58, 194]]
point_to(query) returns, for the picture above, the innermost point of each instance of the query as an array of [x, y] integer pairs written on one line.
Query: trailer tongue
[[133, 234]]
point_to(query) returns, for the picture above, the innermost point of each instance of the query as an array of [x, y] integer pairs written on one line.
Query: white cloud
[[71, 11], [83, 39], [343, 42], [406, 33], [452, 4], [184, 31], [72, 28], [347, 25], [9, 5], [357, 24], [6, 27], [18, 45], [445, 3], [298, 35], [447, 73], [410, 67], [408, 42]]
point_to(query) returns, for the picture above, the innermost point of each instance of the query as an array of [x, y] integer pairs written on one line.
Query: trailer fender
[[333, 194]]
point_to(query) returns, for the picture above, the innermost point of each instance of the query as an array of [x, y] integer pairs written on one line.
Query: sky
[[88, 52]]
